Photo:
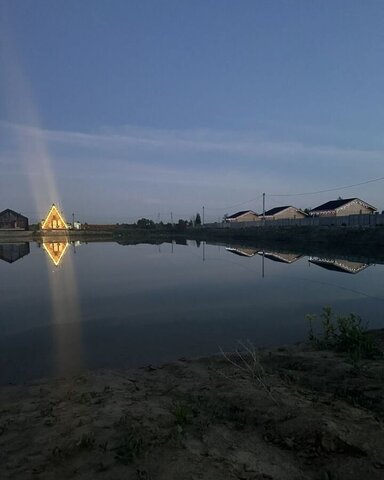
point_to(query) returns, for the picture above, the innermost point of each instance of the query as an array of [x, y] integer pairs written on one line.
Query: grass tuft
[[342, 333], [131, 447]]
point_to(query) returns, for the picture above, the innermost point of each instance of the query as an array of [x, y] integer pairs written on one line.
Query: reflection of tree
[[56, 250]]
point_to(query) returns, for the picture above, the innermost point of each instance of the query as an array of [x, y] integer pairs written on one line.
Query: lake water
[[104, 305]]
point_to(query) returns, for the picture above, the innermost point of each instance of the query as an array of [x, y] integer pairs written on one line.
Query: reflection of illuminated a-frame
[[56, 250], [54, 220]]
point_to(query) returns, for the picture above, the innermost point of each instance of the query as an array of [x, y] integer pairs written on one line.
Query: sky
[[122, 109]]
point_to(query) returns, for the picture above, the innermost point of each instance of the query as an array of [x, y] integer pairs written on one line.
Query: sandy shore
[[295, 413]]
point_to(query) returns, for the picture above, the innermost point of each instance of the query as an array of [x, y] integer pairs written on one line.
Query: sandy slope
[[304, 415]]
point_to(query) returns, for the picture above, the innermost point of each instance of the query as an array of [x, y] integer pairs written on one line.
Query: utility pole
[[203, 215], [262, 265], [264, 208], [73, 220], [172, 218]]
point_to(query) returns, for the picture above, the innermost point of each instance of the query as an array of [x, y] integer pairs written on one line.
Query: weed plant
[[182, 414], [130, 447], [246, 360], [342, 333]]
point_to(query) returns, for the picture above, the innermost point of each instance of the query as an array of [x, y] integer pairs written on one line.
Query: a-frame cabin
[[54, 220]]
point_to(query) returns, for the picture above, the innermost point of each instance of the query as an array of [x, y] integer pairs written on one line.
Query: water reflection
[[344, 265], [65, 306], [242, 251], [113, 306], [339, 265], [281, 257], [56, 249], [11, 252]]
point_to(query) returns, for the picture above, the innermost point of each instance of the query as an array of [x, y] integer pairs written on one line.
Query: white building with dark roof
[[243, 216], [287, 211], [343, 207]]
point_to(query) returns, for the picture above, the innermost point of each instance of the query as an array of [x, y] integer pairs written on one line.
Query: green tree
[[198, 219], [145, 223], [182, 225]]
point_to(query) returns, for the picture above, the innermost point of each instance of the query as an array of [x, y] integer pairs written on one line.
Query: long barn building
[[11, 220]]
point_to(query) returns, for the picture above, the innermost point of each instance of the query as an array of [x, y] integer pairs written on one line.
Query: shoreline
[[284, 413], [366, 244]]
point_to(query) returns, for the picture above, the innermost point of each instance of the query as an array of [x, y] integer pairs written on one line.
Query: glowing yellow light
[[27, 133], [54, 220], [56, 250]]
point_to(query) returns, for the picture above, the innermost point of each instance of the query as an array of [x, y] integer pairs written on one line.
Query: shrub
[[345, 334]]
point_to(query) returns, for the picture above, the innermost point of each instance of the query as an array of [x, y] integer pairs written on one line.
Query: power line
[[235, 205], [327, 190], [297, 194]]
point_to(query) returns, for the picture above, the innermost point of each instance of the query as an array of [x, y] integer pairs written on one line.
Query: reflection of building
[[343, 207], [54, 220], [11, 220], [243, 216], [339, 265], [280, 256], [279, 213], [10, 252], [242, 251], [56, 250]]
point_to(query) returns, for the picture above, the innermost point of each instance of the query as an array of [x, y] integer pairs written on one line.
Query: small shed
[[11, 220], [343, 207], [243, 216]]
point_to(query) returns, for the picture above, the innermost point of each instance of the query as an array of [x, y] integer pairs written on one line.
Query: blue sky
[[121, 109]]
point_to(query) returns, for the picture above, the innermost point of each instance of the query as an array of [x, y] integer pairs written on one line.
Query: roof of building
[[334, 204], [239, 214], [275, 210], [8, 210]]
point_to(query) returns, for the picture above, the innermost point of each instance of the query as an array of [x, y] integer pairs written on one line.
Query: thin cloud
[[128, 170], [226, 142]]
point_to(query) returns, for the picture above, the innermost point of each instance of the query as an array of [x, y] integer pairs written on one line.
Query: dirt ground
[[289, 413]]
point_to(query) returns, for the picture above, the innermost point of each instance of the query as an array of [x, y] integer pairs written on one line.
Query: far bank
[[302, 239]]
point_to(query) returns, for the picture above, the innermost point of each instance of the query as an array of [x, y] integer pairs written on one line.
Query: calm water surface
[[107, 305]]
